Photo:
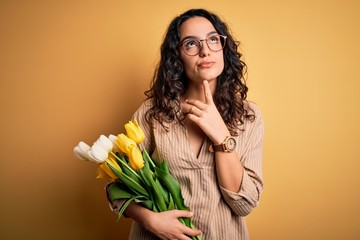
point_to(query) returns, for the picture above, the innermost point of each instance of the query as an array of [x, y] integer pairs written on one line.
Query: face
[[207, 65]]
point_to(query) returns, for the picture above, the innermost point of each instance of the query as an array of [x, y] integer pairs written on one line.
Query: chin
[[209, 76]]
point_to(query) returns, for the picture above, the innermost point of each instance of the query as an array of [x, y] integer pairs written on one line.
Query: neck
[[195, 91]]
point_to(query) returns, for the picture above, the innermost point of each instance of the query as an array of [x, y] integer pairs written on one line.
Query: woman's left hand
[[206, 116]]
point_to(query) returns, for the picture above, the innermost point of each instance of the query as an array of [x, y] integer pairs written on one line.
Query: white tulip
[[113, 139], [78, 153], [84, 147], [81, 151], [105, 143], [98, 154], [91, 157]]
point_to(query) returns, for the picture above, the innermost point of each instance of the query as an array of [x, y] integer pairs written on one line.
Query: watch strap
[[218, 147]]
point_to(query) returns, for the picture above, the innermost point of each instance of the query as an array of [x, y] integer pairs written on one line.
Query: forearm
[[138, 213], [229, 170], [228, 166]]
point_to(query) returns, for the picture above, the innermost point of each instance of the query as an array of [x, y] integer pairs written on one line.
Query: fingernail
[[186, 100], [191, 214]]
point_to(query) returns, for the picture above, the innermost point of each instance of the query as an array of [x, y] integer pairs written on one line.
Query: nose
[[204, 50]]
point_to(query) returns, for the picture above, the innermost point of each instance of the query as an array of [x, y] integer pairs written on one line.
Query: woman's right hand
[[166, 225]]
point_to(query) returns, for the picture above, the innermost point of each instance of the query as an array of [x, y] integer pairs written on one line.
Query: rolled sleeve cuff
[[116, 205], [244, 201]]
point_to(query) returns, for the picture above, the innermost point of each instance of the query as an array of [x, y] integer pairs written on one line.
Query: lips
[[206, 64]]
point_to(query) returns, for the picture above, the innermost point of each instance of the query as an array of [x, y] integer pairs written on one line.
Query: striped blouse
[[219, 213]]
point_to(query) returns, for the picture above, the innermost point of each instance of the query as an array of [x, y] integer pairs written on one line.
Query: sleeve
[[244, 201], [115, 206], [140, 117]]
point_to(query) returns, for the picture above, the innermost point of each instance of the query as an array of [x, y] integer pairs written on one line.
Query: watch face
[[231, 144]]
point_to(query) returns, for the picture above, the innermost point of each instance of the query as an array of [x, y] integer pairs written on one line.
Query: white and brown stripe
[[218, 212]]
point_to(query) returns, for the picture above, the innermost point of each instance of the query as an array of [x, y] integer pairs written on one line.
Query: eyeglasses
[[192, 47]]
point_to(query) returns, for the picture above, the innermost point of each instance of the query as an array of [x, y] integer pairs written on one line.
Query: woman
[[196, 117]]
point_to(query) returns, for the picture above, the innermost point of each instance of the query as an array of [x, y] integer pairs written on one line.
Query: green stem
[[149, 158], [131, 183], [125, 164]]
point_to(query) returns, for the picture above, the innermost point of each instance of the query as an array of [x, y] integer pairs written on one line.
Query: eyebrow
[[193, 37]]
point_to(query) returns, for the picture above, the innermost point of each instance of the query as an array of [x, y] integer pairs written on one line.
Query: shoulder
[[253, 108], [144, 107], [252, 133], [257, 119], [141, 118], [147, 104]]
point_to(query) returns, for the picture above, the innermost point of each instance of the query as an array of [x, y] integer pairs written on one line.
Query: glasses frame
[[181, 44]]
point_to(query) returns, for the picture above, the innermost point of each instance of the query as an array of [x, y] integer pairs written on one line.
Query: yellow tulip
[[134, 131], [124, 143], [113, 162], [104, 171], [135, 158], [129, 147]]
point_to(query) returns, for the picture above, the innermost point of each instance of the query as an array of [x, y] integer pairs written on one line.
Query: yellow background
[[72, 70]]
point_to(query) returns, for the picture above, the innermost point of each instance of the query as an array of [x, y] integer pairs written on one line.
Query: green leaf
[[162, 191], [187, 222], [126, 204], [172, 185], [138, 199], [146, 203], [158, 194], [129, 182], [115, 192], [124, 165], [163, 166], [146, 174], [156, 189], [171, 204], [131, 173], [148, 159]]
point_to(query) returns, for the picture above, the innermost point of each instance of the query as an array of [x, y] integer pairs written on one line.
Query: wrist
[[221, 137], [146, 219], [227, 145], [140, 214]]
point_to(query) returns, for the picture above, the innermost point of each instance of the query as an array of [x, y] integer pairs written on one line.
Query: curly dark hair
[[170, 82]]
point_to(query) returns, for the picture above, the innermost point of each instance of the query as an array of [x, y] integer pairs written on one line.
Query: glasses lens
[[216, 42], [191, 47]]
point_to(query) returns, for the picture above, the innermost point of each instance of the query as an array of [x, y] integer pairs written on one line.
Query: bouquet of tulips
[[136, 176]]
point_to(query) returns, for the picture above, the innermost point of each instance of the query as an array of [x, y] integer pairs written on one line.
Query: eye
[[214, 39], [191, 44]]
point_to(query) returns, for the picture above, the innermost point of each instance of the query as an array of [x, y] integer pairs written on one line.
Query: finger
[[184, 237], [182, 213], [194, 111], [200, 105], [191, 109], [207, 92], [192, 232], [195, 119], [187, 108], [189, 232]]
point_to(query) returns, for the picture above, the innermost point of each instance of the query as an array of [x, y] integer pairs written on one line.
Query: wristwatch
[[228, 145]]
